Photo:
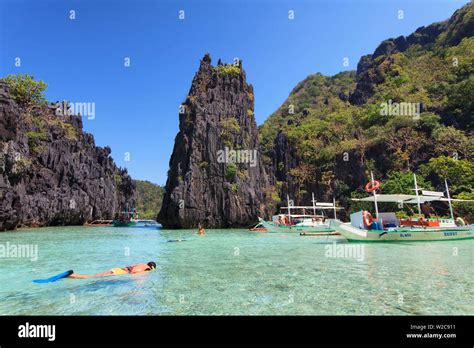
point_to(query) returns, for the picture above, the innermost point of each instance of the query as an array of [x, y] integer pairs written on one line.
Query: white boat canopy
[[411, 199], [309, 216], [386, 198], [418, 199], [321, 206], [331, 206]]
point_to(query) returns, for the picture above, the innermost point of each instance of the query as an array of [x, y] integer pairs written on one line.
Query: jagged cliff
[[373, 68], [291, 143], [216, 174], [330, 132], [51, 172]]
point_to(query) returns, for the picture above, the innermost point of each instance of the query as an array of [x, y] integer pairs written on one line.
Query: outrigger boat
[[258, 228], [126, 218], [302, 219], [386, 227]]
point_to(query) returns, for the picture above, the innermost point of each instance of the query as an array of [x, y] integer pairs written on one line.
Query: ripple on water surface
[[233, 272]]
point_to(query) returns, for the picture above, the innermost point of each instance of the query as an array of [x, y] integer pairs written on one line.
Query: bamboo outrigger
[[99, 223]]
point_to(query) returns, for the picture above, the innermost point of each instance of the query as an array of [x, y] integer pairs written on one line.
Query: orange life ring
[[371, 186], [368, 218]]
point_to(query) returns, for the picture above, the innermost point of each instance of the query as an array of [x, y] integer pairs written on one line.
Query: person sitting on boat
[[134, 269]]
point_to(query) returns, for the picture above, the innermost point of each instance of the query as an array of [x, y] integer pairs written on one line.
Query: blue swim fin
[[54, 278]]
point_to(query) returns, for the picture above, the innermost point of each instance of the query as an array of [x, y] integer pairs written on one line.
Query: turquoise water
[[233, 272]]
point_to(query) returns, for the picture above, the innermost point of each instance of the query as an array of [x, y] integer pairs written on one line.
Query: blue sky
[[82, 60]]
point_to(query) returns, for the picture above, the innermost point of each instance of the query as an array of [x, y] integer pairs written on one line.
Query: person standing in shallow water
[[201, 231]]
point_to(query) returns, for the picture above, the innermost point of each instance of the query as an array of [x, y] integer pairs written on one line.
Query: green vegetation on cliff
[[50, 169], [25, 90], [408, 109], [227, 69], [149, 199]]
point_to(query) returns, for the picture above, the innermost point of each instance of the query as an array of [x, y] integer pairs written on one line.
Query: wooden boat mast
[[375, 195], [289, 210], [449, 199], [417, 195], [314, 206]]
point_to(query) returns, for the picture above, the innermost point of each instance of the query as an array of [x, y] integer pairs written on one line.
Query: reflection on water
[[233, 272]]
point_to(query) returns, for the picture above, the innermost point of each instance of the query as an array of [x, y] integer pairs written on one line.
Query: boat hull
[[354, 234], [273, 227], [118, 223]]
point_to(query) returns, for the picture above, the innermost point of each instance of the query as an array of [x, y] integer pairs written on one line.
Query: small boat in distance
[[126, 218], [385, 227], [130, 219], [302, 219]]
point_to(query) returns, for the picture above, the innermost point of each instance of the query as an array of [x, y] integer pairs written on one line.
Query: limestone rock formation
[[283, 158], [216, 174], [51, 172]]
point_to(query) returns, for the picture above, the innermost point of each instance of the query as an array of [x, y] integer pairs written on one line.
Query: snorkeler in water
[[134, 269]]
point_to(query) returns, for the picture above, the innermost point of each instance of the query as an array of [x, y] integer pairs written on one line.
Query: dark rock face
[[206, 183], [459, 26], [283, 157], [51, 172], [367, 78]]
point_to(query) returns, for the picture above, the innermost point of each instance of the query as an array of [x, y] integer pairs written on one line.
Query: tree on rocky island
[[25, 90]]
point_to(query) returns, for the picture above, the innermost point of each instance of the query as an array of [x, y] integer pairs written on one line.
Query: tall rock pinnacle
[[216, 174]]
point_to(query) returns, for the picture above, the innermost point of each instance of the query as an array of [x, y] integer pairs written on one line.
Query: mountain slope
[[149, 199], [408, 108]]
